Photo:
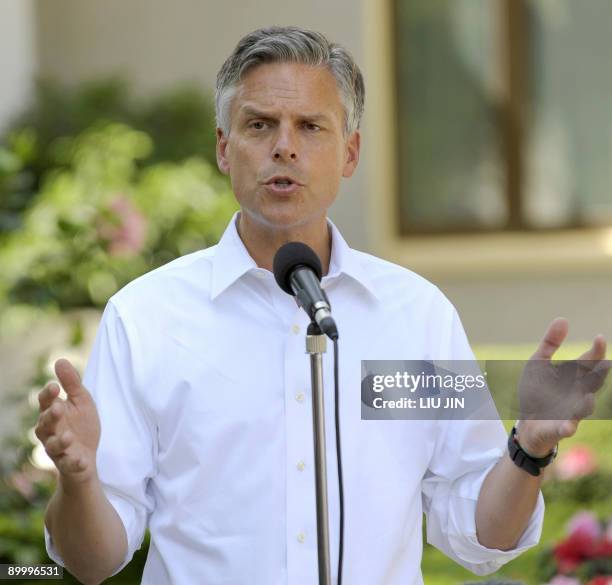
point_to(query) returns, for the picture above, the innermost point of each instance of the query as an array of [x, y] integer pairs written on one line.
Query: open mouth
[[282, 185]]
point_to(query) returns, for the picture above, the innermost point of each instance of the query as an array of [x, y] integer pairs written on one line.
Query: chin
[[287, 218]]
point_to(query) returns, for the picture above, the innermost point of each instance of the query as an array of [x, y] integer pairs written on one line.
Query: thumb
[[69, 378], [553, 338]]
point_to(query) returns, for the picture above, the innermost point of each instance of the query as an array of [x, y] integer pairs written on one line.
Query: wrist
[[526, 439], [74, 484], [527, 461]]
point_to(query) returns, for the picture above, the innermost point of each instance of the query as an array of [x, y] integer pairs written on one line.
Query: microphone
[[297, 270]]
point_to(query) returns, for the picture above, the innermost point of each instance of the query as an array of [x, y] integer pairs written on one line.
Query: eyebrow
[[250, 111]]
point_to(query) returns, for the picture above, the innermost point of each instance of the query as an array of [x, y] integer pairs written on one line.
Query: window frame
[[451, 256]]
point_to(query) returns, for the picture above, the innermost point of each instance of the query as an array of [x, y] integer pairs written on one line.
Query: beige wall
[[518, 309], [17, 56]]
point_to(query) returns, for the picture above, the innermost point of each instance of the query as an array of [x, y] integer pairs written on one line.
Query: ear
[[222, 160], [353, 145]]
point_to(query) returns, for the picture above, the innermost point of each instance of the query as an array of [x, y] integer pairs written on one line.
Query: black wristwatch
[[531, 465]]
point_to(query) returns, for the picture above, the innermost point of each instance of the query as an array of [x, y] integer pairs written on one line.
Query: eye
[[313, 127], [257, 125]]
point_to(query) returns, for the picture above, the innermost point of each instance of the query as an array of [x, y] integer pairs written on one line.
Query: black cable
[[339, 457]]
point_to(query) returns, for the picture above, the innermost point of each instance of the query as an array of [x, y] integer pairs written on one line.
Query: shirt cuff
[[464, 542], [133, 524]]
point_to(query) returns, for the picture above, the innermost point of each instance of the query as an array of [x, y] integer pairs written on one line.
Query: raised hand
[[554, 399], [69, 429]]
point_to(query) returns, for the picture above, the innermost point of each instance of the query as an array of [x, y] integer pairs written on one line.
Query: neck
[[263, 241]]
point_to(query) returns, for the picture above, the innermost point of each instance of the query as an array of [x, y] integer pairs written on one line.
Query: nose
[[285, 147]]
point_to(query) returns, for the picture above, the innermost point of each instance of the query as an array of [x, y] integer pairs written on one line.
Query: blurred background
[[486, 167]]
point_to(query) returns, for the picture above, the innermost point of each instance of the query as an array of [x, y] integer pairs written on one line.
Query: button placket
[[300, 495]]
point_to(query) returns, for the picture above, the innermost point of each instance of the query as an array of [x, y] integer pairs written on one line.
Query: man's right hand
[[69, 429]]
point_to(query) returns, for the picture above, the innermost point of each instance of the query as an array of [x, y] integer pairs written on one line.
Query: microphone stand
[[316, 346]]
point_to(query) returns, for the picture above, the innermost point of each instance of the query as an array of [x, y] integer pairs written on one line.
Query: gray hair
[[290, 45]]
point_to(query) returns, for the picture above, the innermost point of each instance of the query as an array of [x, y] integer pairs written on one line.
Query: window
[[504, 114]]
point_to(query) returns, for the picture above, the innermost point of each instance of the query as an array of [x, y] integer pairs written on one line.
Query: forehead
[[292, 87]]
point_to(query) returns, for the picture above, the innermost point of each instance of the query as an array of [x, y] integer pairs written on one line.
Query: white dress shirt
[[202, 384]]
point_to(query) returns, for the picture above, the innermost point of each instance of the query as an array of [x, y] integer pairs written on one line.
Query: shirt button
[[299, 397], [301, 465], [301, 537], [295, 329]]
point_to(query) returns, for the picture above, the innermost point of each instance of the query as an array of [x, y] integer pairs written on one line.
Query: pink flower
[[573, 551], [126, 229], [586, 524], [23, 484], [564, 580], [576, 462], [584, 532]]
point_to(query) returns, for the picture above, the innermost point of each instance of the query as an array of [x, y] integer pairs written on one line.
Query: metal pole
[[316, 345]]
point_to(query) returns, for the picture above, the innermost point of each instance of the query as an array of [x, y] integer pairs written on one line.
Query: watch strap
[[522, 459]]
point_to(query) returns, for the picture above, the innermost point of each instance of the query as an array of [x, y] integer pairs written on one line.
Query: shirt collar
[[232, 260]]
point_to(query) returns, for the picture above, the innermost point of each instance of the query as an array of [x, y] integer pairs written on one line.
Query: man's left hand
[[565, 392]]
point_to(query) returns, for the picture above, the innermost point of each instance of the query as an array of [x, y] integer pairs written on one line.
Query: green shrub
[[101, 219], [180, 123]]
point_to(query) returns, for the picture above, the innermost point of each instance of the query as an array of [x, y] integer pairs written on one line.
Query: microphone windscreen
[[289, 257]]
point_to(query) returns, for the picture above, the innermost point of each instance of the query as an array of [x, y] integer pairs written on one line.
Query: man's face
[[286, 151]]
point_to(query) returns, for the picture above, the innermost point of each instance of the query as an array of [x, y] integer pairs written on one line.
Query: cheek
[[244, 166], [329, 164]]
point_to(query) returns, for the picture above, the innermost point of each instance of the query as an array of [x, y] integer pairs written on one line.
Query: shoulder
[[416, 314], [186, 275], [394, 282]]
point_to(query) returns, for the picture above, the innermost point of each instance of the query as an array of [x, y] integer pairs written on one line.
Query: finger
[[68, 465], [595, 353], [603, 367], [553, 338], [568, 428], [56, 444], [586, 407], [47, 395], [48, 420], [596, 377], [69, 377]]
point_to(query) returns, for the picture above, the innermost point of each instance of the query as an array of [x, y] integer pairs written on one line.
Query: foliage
[[563, 497], [581, 490], [95, 189], [585, 553], [100, 219], [494, 582], [179, 122], [25, 491]]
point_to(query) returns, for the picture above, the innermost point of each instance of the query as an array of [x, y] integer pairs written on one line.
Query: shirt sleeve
[[463, 457], [126, 454], [465, 452]]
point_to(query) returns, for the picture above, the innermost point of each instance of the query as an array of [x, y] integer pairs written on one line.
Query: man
[[194, 419]]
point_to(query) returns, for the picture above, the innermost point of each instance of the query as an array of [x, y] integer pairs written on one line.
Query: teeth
[[283, 182]]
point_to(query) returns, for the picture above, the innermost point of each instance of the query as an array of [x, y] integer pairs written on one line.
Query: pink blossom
[[126, 231], [576, 462], [563, 580], [586, 524], [23, 484]]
